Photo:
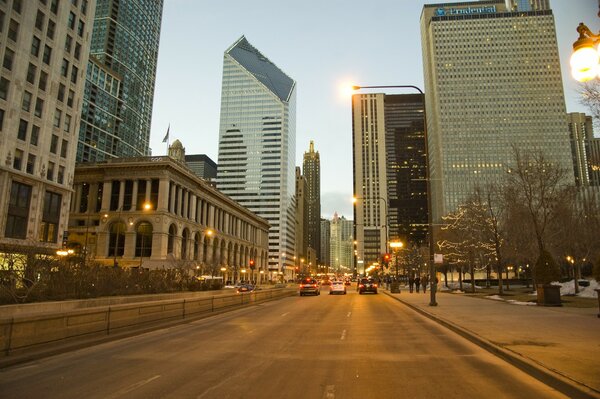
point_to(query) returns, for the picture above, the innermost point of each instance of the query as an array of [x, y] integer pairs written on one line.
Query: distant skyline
[[323, 45]]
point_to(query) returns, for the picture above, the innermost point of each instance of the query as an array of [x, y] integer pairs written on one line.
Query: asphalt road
[[323, 347]]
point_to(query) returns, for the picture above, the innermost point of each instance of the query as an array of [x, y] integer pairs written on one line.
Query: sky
[[325, 46]]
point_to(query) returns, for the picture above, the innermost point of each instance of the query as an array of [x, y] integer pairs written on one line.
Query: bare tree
[[590, 97]]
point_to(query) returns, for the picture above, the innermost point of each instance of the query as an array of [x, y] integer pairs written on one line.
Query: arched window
[[196, 245], [184, 243], [116, 239], [143, 240], [171, 241]]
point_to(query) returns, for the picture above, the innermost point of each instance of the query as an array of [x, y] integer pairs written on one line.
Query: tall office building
[[341, 245], [119, 86], [312, 173], [527, 5], [582, 134], [301, 216], [44, 47], [257, 144], [493, 82], [202, 166], [324, 258], [389, 172]]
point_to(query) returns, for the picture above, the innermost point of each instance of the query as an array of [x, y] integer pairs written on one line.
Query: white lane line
[[343, 337], [329, 392], [130, 388], [349, 314], [285, 314]]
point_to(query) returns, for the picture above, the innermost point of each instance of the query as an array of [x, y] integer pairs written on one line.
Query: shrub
[[546, 269]]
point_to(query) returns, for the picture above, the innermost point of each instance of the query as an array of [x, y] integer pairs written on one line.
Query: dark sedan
[[367, 285]]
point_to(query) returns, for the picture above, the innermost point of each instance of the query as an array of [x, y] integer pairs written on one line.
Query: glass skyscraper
[[257, 145], [119, 87]]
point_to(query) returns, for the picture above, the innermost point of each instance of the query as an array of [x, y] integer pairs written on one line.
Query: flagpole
[[166, 139]]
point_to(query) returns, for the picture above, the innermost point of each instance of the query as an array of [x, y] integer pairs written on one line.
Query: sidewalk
[[559, 345]]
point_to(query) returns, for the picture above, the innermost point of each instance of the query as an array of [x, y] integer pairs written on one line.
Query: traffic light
[[386, 259], [252, 264]]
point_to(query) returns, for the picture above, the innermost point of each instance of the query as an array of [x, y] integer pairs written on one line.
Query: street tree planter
[[548, 295]]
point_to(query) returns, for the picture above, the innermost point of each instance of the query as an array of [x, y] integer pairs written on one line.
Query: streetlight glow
[[585, 58]]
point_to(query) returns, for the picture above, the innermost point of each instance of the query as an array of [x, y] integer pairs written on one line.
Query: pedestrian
[[411, 283], [417, 282], [424, 282]]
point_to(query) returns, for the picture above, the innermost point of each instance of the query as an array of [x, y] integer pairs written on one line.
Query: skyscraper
[[312, 173], [585, 149], [493, 83], [119, 86], [341, 245], [257, 144], [44, 49], [301, 216], [389, 172]]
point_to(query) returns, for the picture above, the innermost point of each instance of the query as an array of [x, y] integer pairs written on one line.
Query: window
[[57, 118], [70, 98], [35, 46], [31, 72], [22, 133], [26, 103], [18, 160], [74, 72], [50, 217], [71, 21], [54, 6], [47, 55], [17, 5], [80, 28], [61, 92], [51, 29], [50, 174], [68, 43], [35, 134], [64, 68], [84, 4], [143, 240], [18, 210], [77, 50], [4, 83], [13, 30], [67, 126], [64, 148], [1, 118], [39, 20], [43, 80], [53, 144], [39, 107], [61, 175], [9, 55], [116, 239], [30, 164], [2, 15]]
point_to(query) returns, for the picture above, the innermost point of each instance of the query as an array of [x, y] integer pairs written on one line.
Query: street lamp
[[433, 290], [585, 57], [146, 207], [118, 231]]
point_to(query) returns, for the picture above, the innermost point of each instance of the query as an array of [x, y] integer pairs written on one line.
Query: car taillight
[[361, 285], [375, 285]]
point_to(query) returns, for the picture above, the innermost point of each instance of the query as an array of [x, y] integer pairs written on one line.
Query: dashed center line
[[285, 314], [343, 337]]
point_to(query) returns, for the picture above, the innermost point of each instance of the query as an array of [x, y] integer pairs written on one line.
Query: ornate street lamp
[[585, 57]]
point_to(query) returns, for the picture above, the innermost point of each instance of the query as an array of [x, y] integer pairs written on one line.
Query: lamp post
[[147, 206], [432, 274], [118, 231]]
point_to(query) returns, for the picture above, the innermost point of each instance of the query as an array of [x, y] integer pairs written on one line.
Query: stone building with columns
[[154, 212]]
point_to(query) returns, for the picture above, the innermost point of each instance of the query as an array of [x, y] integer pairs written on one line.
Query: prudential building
[[257, 146]]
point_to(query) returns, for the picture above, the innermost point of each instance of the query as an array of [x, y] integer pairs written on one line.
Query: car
[[347, 282], [325, 282], [367, 285], [337, 287], [244, 288], [309, 286]]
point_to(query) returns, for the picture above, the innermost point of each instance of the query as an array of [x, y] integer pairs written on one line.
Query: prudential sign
[[440, 12]]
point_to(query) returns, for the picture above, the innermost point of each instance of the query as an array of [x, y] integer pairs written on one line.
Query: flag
[[166, 139]]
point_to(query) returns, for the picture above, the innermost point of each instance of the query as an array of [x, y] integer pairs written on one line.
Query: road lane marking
[[329, 392], [285, 314], [343, 335], [349, 313], [133, 387]]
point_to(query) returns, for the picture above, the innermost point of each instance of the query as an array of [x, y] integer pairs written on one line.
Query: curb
[[552, 378]]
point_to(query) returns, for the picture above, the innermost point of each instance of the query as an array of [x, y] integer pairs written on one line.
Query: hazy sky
[[322, 45]]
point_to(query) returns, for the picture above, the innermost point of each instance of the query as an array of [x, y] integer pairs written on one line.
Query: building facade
[[257, 144], [44, 48], [301, 217], [324, 256], [584, 149], [311, 167], [153, 212], [119, 84], [480, 109]]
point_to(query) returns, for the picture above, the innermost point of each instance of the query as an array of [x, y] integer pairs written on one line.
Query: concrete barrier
[[46, 333]]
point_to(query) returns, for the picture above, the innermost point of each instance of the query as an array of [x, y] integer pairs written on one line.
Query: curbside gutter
[[552, 378]]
